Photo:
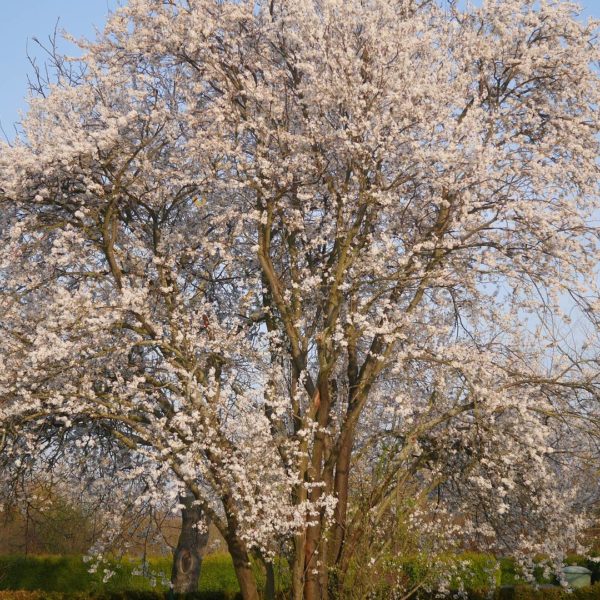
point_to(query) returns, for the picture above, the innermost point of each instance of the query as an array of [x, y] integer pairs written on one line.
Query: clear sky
[[22, 20]]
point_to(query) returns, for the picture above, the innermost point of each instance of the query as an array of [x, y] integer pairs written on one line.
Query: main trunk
[[323, 543], [342, 475], [316, 581], [187, 559]]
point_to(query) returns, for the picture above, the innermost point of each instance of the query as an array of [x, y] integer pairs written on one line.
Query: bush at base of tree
[[393, 575]]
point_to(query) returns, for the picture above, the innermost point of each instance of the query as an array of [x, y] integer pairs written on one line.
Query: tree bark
[[239, 553], [312, 583], [342, 477], [270, 583], [298, 566], [267, 563], [187, 559], [315, 582], [242, 567]]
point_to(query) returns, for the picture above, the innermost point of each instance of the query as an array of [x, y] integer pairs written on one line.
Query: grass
[[70, 574]]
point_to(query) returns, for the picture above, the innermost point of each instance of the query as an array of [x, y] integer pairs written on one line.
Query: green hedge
[[70, 574], [131, 595], [506, 593], [523, 592]]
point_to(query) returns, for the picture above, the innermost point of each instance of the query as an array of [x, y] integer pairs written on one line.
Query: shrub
[[390, 576], [469, 570], [523, 592], [472, 570], [588, 593]]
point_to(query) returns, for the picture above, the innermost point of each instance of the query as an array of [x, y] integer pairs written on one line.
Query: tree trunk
[[187, 559], [242, 567], [342, 477], [298, 567], [239, 552], [267, 563], [315, 582], [270, 583], [312, 582]]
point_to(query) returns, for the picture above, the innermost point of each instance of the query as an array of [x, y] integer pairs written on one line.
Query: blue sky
[[22, 20]]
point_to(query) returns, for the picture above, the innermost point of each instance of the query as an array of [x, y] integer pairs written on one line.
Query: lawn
[[71, 574]]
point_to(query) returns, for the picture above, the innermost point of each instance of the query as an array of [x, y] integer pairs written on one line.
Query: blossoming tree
[[269, 245]]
